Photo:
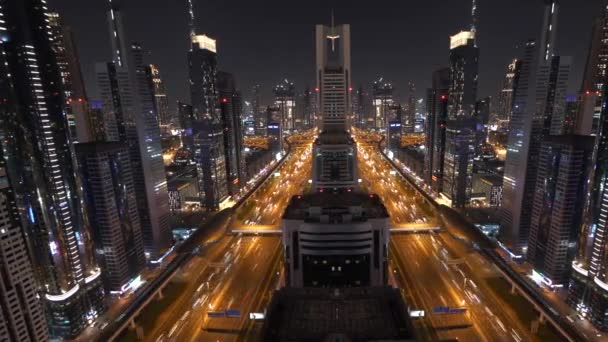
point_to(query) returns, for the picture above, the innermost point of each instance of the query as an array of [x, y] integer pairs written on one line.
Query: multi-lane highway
[[435, 269], [237, 272]]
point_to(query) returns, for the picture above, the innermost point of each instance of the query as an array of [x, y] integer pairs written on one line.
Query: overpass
[[275, 230]]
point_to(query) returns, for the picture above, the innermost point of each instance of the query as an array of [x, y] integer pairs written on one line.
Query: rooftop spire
[[474, 20], [117, 37], [191, 24]]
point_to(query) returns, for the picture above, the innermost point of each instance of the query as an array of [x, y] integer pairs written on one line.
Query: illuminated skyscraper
[[410, 111], [382, 98], [437, 113], [333, 74], [460, 135], [505, 99], [37, 149], [538, 111], [128, 103], [161, 104], [285, 100]]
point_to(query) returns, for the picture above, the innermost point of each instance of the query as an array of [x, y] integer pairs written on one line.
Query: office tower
[[202, 59], [505, 99], [71, 77], [258, 111], [334, 151], [437, 113], [562, 178], [38, 154], [333, 74], [128, 102], [185, 114], [308, 110], [285, 100], [538, 111], [273, 129], [571, 109], [410, 112], [22, 316], [382, 97], [210, 160], [110, 199], [356, 255], [230, 113], [460, 137], [482, 115], [594, 77], [394, 129], [161, 104]]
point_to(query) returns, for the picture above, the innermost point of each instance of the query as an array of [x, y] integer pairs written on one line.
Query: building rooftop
[[347, 314], [301, 206], [334, 138], [491, 179]]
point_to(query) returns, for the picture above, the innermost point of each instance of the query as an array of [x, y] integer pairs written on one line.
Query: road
[[237, 272], [435, 269]]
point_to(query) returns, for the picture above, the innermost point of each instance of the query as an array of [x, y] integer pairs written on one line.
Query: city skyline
[[264, 55]]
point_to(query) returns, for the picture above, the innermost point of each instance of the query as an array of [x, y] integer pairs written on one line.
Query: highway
[[436, 269], [237, 272]]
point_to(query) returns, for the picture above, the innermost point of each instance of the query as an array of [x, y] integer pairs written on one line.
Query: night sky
[[266, 41]]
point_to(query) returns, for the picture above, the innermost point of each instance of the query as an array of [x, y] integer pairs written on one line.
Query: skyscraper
[[131, 119], [594, 77], [185, 113], [538, 111], [437, 113], [563, 166], [505, 99], [257, 110], [230, 112], [334, 151], [71, 77], [333, 74], [382, 98], [109, 195], [161, 104], [410, 113], [461, 123], [38, 154], [285, 100]]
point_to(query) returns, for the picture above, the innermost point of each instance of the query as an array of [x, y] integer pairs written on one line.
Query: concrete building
[[335, 240]]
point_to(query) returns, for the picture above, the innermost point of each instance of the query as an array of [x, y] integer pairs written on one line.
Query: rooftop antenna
[[191, 19], [474, 20], [333, 36]]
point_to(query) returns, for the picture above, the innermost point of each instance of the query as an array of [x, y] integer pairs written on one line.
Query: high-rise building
[[460, 138], [161, 104], [210, 160], [285, 100], [71, 77], [131, 119], [364, 109], [185, 113], [308, 108], [594, 77], [410, 110], [230, 112], [505, 99], [333, 74], [109, 196], [37, 149], [202, 59], [21, 313], [394, 130], [563, 166], [258, 111], [482, 116], [382, 98], [334, 151], [538, 111], [437, 113]]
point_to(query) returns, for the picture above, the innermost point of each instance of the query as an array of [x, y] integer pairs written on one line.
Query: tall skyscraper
[[333, 74], [131, 119], [161, 104], [110, 199], [594, 77], [334, 151], [538, 111], [258, 111], [382, 98], [185, 113], [437, 113], [230, 112], [71, 77], [410, 113], [285, 100], [564, 162], [505, 99], [202, 59], [39, 163], [461, 123], [210, 159]]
